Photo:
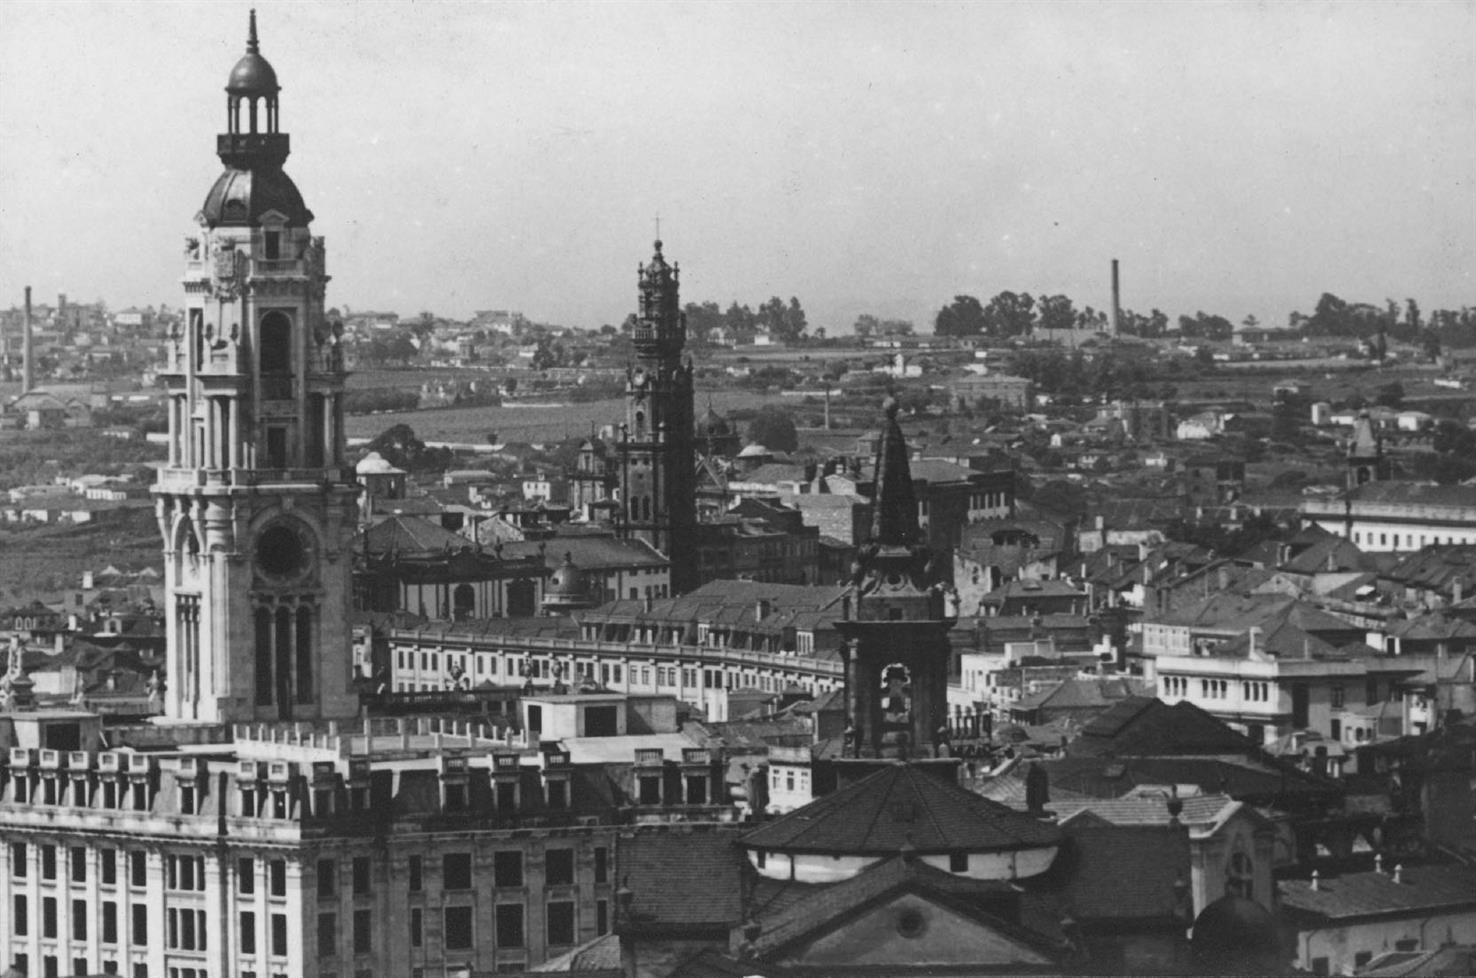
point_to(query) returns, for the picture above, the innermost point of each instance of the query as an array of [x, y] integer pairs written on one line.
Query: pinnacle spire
[[894, 505], [252, 46]]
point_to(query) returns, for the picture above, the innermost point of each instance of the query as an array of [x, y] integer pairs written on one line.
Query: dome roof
[[252, 75], [240, 197], [1234, 933], [567, 584]]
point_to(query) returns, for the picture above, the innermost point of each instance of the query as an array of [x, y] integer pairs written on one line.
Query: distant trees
[[964, 316], [1206, 326], [1009, 314], [784, 321], [399, 446], [773, 428]]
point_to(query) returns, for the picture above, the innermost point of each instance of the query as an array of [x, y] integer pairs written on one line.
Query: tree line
[[784, 321], [1012, 314]]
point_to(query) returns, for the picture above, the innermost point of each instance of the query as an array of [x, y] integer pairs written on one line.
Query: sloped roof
[[1421, 889], [682, 878], [1146, 807], [1329, 555], [1244, 779], [898, 807], [413, 535], [823, 905], [1414, 494], [590, 553], [1082, 694], [1145, 725]]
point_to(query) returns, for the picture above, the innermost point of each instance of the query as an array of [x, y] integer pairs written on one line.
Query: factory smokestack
[[1116, 301], [28, 371]]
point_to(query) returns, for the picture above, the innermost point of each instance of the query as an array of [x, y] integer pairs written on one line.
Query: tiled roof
[[411, 535], [1421, 889], [1081, 694], [1414, 494], [1450, 959], [902, 806], [1147, 807], [1243, 779], [682, 878], [1144, 725], [590, 553], [822, 905]]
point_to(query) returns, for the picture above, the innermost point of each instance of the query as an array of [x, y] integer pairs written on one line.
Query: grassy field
[[42, 561], [532, 423]]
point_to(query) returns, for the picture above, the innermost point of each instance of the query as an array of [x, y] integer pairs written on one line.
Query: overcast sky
[[1237, 158]]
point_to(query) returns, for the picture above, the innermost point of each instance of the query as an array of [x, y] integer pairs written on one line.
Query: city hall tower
[[255, 505]]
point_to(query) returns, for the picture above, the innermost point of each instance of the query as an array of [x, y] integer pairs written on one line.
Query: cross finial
[[658, 227]]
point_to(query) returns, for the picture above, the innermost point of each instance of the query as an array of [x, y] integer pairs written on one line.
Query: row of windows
[[456, 871], [1366, 538], [108, 931], [109, 793]]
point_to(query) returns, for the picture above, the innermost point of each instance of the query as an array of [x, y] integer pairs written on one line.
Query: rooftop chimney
[[28, 375], [1116, 300]]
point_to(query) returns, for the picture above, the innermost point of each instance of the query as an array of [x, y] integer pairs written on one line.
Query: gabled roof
[[1144, 725], [898, 808], [819, 911], [1330, 555]]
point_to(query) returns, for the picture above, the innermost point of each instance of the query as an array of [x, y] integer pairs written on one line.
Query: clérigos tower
[[655, 453], [255, 505]]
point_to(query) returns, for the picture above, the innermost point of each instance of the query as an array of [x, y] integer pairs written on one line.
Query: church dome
[[567, 587], [240, 197], [1235, 935], [253, 74]]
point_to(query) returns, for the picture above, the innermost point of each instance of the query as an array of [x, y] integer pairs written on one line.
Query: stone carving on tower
[[255, 505], [656, 446], [896, 649]]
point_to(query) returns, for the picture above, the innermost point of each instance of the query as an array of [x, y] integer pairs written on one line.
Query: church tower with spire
[[655, 453], [896, 649], [255, 505]]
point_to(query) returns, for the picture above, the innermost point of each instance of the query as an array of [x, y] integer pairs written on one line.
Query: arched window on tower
[[264, 684], [283, 659], [304, 654]]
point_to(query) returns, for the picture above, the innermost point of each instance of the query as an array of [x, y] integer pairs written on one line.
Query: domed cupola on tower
[[255, 504], [253, 149]]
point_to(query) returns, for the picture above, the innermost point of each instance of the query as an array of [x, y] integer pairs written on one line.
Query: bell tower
[[255, 505], [896, 650], [657, 465]]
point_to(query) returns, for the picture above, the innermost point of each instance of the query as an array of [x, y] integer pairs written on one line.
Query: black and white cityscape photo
[[744, 489]]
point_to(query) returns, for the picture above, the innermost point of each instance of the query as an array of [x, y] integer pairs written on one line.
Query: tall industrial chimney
[[28, 374], [1116, 301]]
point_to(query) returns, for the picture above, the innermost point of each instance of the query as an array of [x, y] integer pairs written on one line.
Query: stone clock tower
[[256, 507], [656, 452]]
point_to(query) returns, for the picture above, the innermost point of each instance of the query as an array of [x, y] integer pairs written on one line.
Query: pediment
[[274, 217], [913, 932]]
